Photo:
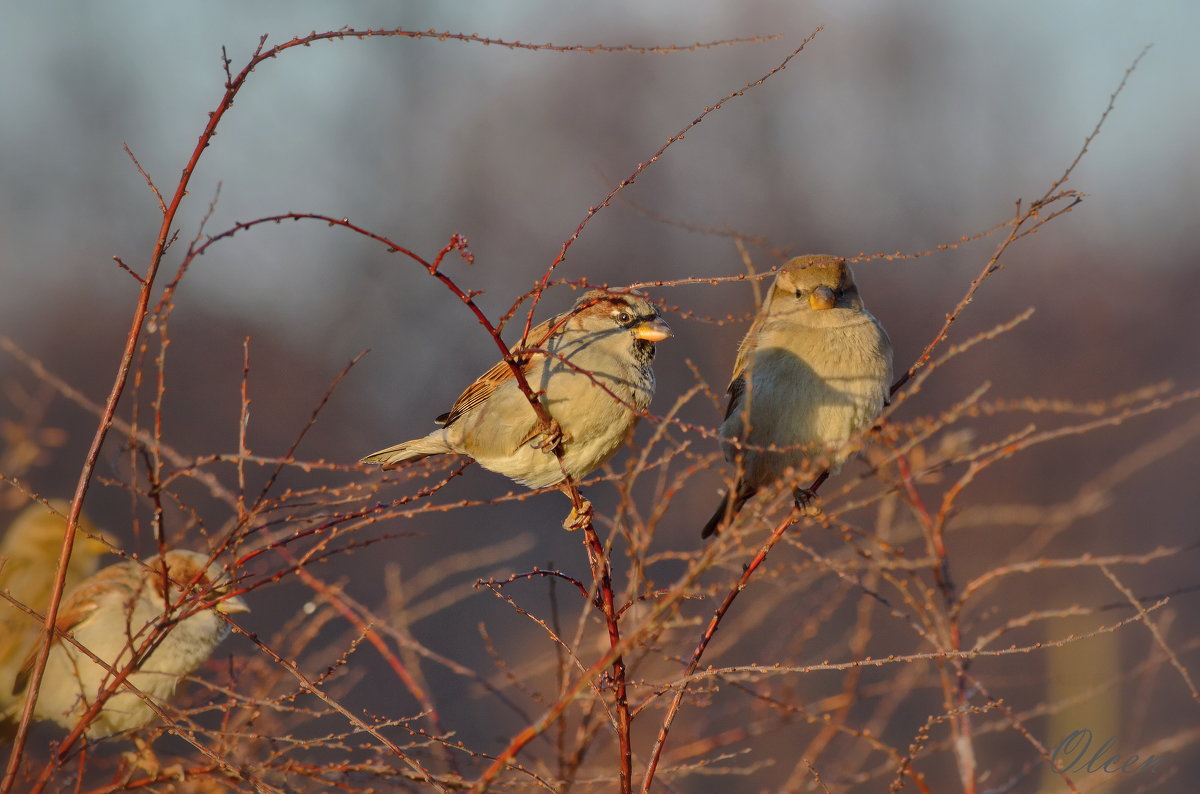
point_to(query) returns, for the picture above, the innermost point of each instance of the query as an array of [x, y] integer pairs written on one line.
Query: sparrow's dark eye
[[623, 318]]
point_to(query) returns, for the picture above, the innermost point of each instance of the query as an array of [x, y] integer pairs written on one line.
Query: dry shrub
[[918, 633]]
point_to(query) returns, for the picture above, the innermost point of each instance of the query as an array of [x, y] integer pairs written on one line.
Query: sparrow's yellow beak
[[652, 330], [822, 298], [232, 605]]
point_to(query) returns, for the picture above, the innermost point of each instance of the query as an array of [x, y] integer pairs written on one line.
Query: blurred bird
[[594, 384], [112, 614], [28, 561], [811, 373]]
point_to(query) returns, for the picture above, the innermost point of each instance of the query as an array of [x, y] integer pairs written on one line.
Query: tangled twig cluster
[[872, 586]]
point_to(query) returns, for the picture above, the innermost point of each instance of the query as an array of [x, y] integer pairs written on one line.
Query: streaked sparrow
[[113, 614], [591, 368]]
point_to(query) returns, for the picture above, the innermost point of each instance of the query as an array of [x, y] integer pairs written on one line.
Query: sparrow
[[811, 374], [112, 614], [591, 369], [29, 555]]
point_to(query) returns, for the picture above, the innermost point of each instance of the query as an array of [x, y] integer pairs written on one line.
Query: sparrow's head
[[191, 568], [818, 282], [605, 311]]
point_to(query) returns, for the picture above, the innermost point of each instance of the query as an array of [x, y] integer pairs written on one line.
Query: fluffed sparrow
[[811, 373], [28, 560], [113, 614], [594, 383]]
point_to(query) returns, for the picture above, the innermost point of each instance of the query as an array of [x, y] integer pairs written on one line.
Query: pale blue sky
[[902, 126]]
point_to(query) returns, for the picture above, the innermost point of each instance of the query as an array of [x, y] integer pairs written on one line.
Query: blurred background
[[901, 127]]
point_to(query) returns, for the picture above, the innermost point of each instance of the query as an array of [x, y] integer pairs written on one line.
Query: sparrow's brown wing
[[749, 343], [78, 607], [737, 387], [488, 382]]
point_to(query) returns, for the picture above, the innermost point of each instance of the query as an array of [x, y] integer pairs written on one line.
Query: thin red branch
[[705, 638], [641, 167]]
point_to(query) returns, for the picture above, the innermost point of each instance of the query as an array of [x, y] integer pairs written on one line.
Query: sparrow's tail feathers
[[416, 449], [729, 507]]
